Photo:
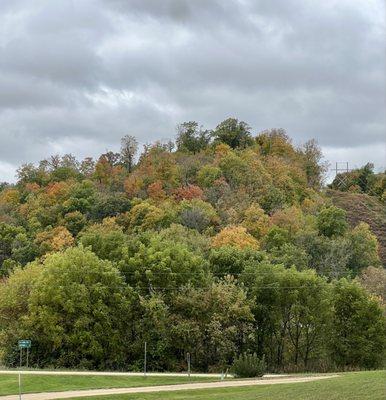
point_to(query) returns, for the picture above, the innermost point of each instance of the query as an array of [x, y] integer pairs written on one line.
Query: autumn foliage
[[219, 243]]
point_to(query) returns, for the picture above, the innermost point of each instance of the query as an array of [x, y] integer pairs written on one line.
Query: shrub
[[248, 366]]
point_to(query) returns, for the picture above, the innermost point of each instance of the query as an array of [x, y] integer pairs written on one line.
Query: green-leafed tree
[[364, 248], [332, 221], [191, 137], [234, 133], [161, 266], [214, 324], [79, 312], [358, 328]]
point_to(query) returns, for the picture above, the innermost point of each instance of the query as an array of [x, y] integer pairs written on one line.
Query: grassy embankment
[[353, 386], [55, 383]]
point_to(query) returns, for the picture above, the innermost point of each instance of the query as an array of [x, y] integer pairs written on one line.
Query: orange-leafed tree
[[155, 191], [188, 193]]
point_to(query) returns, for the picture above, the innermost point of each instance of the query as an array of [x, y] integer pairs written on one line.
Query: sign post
[[23, 344]]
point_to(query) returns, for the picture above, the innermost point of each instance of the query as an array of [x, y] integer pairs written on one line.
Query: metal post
[[19, 385], [27, 355], [188, 359], [21, 352], [145, 359]]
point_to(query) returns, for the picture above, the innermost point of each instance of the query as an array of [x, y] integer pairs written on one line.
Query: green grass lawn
[[349, 386], [51, 383]]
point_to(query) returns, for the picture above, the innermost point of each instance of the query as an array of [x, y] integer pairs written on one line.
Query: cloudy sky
[[76, 75]]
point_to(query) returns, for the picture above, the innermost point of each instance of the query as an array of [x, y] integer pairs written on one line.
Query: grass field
[[51, 383], [349, 386]]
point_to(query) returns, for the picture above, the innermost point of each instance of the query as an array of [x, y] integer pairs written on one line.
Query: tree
[[275, 142], [152, 325], [276, 238], [74, 222], [364, 248], [129, 148], [256, 221], [14, 307], [328, 256], [358, 338], [188, 193], [361, 180], [331, 221], [8, 235], [82, 197], [106, 240], [197, 214], [156, 192], [290, 255], [234, 133], [28, 173], [145, 215], [109, 205], [207, 175], [161, 266], [189, 237], [54, 239], [235, 236], [314, 166], [87, 167], [232, 260], [79, 312], [191, 137], [291, 311], [212, 323]]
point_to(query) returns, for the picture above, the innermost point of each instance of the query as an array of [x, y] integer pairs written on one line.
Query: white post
[[144, 364], [19, 385], [188, 358]]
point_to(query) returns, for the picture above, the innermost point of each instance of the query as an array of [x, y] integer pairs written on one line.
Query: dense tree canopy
[[225, 245]]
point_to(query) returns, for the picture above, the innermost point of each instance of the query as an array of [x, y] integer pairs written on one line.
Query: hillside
[[217, 244], [363, 208]]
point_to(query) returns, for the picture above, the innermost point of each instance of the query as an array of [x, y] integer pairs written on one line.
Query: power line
[[186, 288]]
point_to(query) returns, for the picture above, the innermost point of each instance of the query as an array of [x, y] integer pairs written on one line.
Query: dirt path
[[165, 388], [98, 373], [107, 373]]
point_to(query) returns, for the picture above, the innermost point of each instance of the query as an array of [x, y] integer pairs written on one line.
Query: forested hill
[[216, 244]]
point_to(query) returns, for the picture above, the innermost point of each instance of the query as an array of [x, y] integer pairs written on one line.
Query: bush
[[248, 366]]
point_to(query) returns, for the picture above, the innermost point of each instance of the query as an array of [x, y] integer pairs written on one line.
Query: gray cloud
[[76, 76]]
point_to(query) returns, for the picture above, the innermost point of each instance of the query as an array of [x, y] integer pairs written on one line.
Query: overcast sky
[[76, 75]]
